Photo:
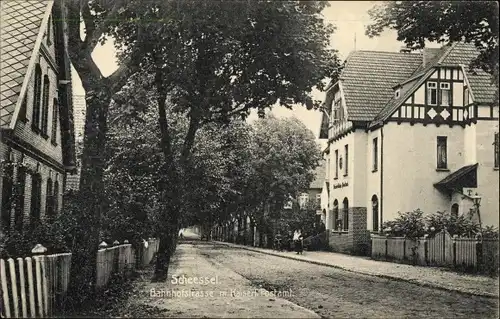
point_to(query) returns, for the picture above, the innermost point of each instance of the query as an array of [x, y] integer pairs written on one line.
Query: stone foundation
[[357, 239]]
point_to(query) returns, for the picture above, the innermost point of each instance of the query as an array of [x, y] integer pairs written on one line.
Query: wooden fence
[[34, 286], [439, 250], [37, 286]]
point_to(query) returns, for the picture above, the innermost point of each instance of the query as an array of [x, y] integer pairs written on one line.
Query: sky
[[350, 19]]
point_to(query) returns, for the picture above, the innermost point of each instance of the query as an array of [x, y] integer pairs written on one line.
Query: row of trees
[[237, 169]]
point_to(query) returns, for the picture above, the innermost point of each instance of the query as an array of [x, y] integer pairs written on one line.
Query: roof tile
[[20, 23], [368, 78]]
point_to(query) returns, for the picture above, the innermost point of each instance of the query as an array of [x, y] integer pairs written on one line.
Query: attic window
[[397, 93]]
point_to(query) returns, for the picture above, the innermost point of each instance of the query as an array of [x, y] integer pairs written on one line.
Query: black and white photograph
[[249, 159]]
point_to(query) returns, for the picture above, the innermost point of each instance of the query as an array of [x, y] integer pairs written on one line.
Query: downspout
[[381, 176]]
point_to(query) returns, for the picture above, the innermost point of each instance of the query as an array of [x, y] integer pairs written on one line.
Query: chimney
[[405, 50]]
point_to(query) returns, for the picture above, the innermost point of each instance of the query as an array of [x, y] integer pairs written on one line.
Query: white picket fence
[[120, 259], [34, 286], [149, 252], [439, 250]]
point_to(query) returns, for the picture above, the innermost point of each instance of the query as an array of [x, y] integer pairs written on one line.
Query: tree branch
[[94, 32]]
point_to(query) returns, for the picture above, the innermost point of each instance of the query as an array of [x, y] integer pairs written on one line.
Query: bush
[[409, 224], [414, 225], [19, 244]]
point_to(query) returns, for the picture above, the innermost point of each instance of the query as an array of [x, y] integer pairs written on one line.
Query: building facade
[[36, 145], [410, 131]]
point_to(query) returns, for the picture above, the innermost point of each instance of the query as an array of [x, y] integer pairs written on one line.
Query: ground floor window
[[36, 196], [454, 209], [375, 212], [346, 214], [336, 215], [20, 194], [7, 198]]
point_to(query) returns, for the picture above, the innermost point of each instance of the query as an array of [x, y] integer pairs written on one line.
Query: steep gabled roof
[[368, 78], [19, 31]]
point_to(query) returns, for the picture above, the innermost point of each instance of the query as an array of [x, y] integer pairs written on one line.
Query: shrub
[[414, 225], [409, 224], [462, 225], [48, 233]]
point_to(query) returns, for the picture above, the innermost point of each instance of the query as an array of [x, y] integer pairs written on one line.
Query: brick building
[[79, 108], [36, 144], [409, 131]]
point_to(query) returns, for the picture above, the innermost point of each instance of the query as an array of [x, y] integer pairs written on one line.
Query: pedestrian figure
[[278, 242], [297, 241], [181, 235]]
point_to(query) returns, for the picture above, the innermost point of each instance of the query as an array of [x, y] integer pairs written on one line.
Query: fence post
[[404, 247], [479, 252], [426, 249], [455, 250], [41, 284], [5, 292], [386, 246]]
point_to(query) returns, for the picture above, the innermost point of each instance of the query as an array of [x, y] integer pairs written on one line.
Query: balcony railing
[[339, 129]]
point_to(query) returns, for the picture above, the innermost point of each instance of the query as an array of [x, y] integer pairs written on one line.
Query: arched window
[[45, 108], [454, 210], [375, 212], [55, 115], [7, 184], [37, 98], [49, 198], [346, 213], [36, 196], [21, 188], [336, 214], [56, 197]]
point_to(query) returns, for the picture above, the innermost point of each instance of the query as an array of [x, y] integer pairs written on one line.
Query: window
[[336, 215], [7, 184], [23, 109], [45, 106], [336, 164], [431, 93], [346, 213], [445, 94], [466, 96], [36, 194], [375, 212], [56, 197], [496, 151], [21, 189], [397, 93], [37, 98], [55, 115], [375, 154], [454, 210], [442, 162], [346, 160], [318, 199], [49, 31], [304, 197], [49, 198]]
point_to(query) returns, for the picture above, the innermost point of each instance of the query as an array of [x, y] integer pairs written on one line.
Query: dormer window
[[397, 93], [432, 93]]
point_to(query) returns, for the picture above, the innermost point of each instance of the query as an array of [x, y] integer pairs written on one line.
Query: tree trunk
[[90, 196]]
